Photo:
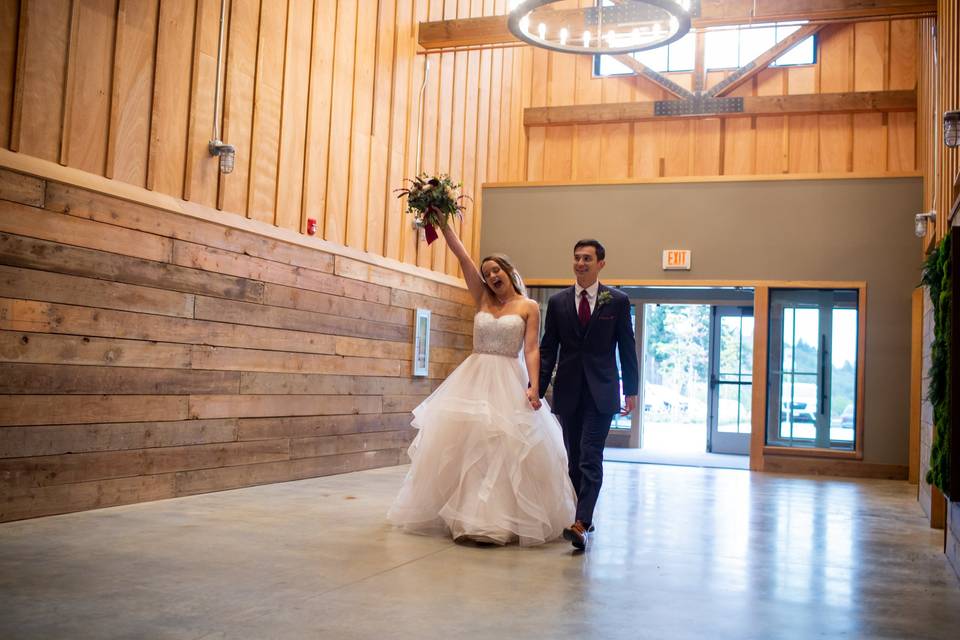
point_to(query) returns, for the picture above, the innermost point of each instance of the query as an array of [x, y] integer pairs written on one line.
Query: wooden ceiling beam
[[715, 13], [492, 30], [465, 32], [851, 102]]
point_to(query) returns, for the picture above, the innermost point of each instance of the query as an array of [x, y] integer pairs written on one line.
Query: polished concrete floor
[[680, 552]]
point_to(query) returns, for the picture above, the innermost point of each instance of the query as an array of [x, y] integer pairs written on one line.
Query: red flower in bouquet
[[432, 200]]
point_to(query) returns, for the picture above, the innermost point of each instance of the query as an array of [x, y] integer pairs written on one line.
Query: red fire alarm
[[312, 226]]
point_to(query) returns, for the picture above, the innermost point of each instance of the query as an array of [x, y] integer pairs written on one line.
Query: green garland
[[937, 276]]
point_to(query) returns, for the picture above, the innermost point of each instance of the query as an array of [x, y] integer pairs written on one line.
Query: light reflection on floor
[[679, 552], [811, 543]]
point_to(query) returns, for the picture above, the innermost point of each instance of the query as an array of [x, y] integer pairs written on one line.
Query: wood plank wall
[[145, 355], [865, 56], [939, 91], [321, 99]]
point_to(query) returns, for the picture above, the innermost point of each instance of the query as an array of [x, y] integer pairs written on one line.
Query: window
[[812, 386], [725, 48], [677, 56], [730, 48]]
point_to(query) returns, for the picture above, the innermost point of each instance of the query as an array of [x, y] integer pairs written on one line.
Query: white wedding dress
[[484, 463]]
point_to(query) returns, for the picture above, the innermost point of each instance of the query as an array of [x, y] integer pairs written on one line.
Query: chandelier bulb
[[612, 28]]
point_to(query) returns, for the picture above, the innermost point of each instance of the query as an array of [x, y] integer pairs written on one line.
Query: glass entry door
[[675, 377], [812, 388], [731, 379]]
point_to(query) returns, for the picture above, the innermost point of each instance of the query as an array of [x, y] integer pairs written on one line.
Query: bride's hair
[[510, 270]]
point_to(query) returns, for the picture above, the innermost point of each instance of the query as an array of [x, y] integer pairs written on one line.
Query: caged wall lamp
[[920, 222], [951, 129], [227, 153]]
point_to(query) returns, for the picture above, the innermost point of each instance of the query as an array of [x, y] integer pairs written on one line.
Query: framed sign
[[421, 342], [676, 259]]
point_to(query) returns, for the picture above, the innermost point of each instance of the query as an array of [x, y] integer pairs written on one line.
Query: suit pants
[[584, 434]]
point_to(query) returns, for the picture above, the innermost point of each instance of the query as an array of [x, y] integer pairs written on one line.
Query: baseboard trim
[[831, 467]]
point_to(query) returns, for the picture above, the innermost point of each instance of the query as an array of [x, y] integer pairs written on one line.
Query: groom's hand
[[631, 402]]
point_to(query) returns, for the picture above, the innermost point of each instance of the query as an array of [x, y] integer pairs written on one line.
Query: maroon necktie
[[583, 312]]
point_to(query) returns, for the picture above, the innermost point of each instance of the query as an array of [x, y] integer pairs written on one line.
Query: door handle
[[824, 358]]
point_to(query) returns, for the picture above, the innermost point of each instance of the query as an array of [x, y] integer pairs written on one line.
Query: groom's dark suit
[[586, 390]]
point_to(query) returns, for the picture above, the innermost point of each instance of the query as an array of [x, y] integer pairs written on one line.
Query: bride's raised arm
[[470, 271]]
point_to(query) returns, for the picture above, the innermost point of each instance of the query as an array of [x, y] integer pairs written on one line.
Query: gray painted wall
[[769, 230]]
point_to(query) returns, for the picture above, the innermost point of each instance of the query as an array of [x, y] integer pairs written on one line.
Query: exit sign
[[676, 259]]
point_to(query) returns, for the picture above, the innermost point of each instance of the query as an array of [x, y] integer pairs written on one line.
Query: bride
[[488, 462]]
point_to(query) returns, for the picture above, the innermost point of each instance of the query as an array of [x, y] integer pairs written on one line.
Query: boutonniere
[[604, 298]]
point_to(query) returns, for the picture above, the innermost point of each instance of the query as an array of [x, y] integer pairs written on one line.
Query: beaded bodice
[[501, 336]]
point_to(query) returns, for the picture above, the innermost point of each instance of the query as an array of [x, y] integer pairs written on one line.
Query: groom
[[588, 322]]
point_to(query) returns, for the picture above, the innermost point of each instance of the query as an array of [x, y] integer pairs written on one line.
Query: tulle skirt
[[484, 464]]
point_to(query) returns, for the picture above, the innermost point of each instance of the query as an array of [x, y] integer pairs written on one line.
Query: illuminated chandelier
[[624, 26]]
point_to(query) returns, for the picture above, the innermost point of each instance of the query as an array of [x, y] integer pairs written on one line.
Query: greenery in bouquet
[[432, 200]]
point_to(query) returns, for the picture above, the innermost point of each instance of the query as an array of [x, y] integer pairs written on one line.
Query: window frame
[[597, 61], [798, 446], [814, 38]]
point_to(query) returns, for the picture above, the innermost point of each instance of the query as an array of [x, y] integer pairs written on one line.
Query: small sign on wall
[[676, 259], [421, 343]]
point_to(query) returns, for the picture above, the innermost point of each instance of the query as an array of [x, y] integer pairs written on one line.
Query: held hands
[[631, 404], [533, 398]]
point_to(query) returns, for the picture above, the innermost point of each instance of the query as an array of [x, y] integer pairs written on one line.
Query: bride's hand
[[533, 398]]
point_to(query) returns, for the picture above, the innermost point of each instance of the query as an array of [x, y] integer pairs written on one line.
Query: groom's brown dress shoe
[[576, 534]]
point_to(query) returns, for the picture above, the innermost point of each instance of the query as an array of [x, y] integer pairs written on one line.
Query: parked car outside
[[847, 417]]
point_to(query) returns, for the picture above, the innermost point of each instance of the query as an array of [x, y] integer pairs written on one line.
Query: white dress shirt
[[591, 295]]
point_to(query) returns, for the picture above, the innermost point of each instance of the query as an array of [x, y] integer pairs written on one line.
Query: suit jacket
[[588, 356]]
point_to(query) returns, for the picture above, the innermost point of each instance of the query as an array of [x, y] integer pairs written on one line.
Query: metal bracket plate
[[697, 105]]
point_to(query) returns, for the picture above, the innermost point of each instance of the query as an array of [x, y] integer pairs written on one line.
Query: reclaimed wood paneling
[[46, 286], [143, 355]]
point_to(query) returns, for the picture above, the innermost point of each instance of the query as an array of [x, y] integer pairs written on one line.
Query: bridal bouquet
[[432, 200]]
